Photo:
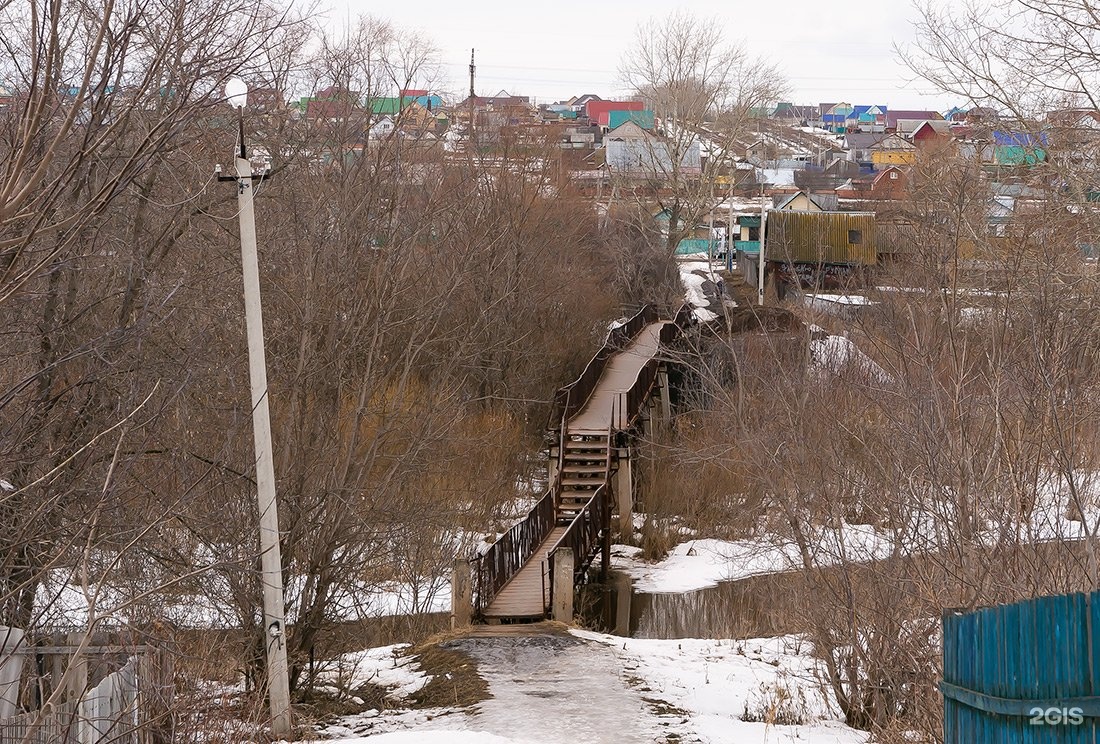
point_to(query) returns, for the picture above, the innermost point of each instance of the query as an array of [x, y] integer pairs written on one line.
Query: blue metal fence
[[1023, 672]]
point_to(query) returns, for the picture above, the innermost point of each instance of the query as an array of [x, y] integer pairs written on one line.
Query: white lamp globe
[[236, 92]]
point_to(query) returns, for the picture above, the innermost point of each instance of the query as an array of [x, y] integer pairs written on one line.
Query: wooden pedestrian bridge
[[594, 421]]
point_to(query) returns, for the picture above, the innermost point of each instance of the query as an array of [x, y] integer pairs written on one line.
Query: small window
[[855, 237], [893, 175]]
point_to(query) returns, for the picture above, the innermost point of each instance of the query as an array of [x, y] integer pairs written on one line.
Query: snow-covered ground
[[695, 270], [62, 601], [386, 666], [699, 564], [719, 683], [592, 688]]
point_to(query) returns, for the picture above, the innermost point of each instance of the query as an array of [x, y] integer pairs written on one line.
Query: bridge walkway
[[586, 467]]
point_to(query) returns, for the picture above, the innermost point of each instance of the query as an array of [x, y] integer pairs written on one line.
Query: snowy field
[[700, 564], [591, 688]]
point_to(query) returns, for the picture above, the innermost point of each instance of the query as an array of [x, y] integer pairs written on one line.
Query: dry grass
[[455, 679]]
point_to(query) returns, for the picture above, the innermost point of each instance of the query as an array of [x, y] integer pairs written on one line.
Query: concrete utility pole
[[472, 69], [760, 254], [278, 689]]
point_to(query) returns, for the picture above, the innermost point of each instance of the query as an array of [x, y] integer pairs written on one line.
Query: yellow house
[[893, 150]]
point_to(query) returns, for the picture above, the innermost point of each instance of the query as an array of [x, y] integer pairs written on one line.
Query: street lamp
[[236, 92]]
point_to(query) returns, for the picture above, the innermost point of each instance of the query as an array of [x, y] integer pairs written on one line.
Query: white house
[[381, 129], [631, 149]]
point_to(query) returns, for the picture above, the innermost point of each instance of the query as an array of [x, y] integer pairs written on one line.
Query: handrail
[[504, 558], [582, 535]]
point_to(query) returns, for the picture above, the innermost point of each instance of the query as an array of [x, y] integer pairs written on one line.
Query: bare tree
[[703, 91]]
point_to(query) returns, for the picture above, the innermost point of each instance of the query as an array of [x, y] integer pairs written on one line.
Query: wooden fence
[[1023, 673], [106, 714], [111, 689]]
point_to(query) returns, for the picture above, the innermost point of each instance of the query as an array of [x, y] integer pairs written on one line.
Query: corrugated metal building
[[846, 238]]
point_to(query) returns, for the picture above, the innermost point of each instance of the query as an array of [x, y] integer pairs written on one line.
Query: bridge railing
[[685, 317], [583, 535], [503, 559]]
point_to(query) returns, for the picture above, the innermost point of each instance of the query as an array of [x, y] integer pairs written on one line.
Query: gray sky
[[551, 49]]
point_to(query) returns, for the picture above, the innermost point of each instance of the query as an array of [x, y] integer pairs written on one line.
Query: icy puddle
[[557, 688]]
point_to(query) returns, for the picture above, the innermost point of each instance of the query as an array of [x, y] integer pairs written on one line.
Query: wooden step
[[586, 445], [578, 483], [586, 456], [595, 469]]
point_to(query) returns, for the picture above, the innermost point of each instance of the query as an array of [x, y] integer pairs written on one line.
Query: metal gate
[[1024, 672]]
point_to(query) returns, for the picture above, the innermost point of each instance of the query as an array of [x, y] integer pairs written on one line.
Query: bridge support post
[[562, 607], [462, 594], [624, 493], [623, 589], [666, 400], [552, 465]]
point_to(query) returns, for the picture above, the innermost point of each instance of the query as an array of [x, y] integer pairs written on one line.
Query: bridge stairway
[[585, 467]]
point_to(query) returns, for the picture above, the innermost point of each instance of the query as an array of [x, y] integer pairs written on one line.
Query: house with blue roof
[[842, 118], [1019, 148]]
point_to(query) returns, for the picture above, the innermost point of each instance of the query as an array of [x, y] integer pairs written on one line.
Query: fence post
[[562, 609], [78, 669], [462, 596]]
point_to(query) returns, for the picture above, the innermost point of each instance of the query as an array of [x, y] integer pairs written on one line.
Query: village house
[[858, 146], [801, 201], [618, 117], [598, 111], [493, 114], [892, 150], [905, 121], [635, 151], [330, 104], [888, 183], [930, 134], [430, 101]]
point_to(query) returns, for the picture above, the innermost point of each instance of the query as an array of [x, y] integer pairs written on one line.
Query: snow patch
[[701, 564], [720, 682], [385, 666], [837, 353]]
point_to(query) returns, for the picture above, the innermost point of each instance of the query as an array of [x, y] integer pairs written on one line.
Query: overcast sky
[[551, 49]]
